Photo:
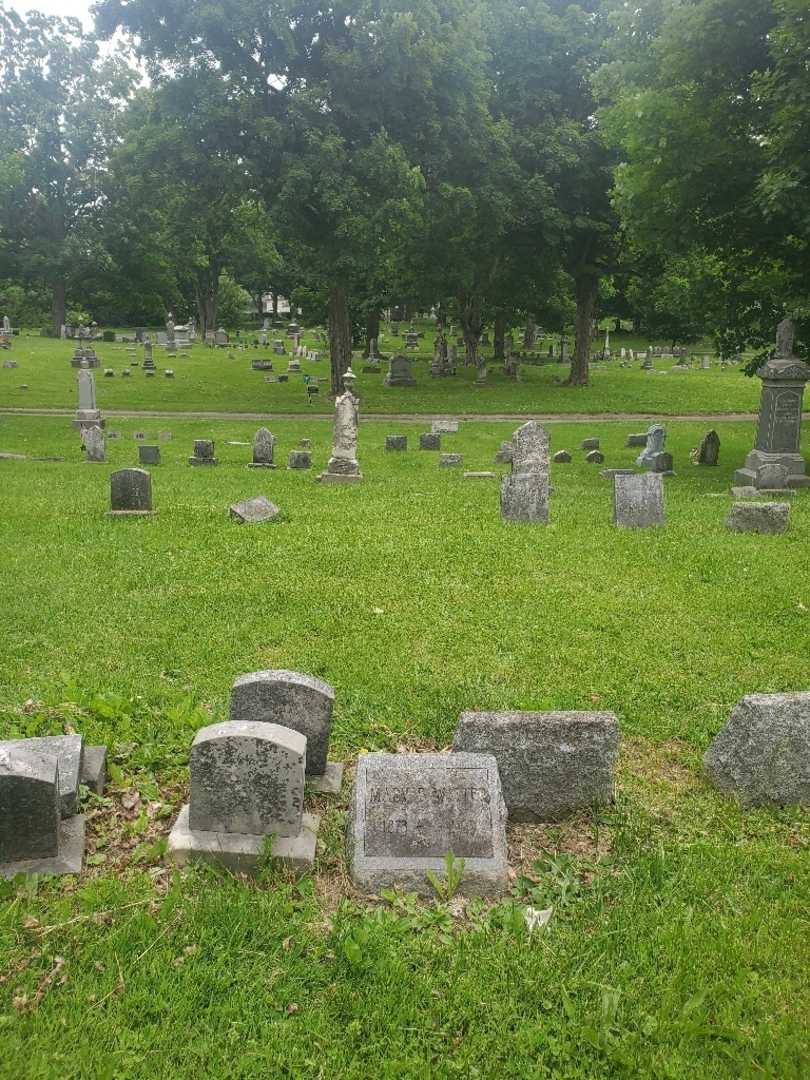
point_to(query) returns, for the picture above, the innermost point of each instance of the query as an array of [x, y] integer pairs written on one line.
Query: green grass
[[208, 380], [677, 947]]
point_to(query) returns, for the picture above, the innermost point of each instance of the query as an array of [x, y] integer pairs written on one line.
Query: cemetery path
[[400, 418]]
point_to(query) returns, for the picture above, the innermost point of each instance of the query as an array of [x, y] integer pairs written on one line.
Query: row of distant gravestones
[[250, 777]]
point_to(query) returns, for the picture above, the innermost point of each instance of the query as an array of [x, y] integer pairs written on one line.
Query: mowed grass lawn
[[209, 379], [678, 942]]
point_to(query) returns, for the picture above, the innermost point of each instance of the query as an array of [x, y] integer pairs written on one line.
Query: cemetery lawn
[[677, 946], [208, 380]]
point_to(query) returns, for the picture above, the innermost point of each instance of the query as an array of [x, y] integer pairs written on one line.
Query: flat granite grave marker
[[299, 459], [449, 461], [410, 811], [428, 440], [254, 511], [758, 517], [551, 764], [247, 784], [297, 701], [130, 493], [444, 427], [762, 754], [638, 500], [396, 442]]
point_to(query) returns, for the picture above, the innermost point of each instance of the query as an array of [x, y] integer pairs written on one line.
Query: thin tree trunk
[[340, 336], [372, 332], [59, 308], [470, 317], [499, 336], [586, 289], [530, 334]]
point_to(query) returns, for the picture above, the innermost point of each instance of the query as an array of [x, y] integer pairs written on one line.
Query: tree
[[60, 105]]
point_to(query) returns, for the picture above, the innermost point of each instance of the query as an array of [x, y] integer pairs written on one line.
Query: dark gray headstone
[[149, 455], [293, 700], [396, 442], [638, 500], [709, 450], [661, 462], [595, 457], [409, 811], [263, 443], [429, 441], [562, 457], [636, 440], [131, 492], [247, 778], [758, 517], [29, 805], [551, 764], [589, 444], [762, 754], [203, 453], [399, 372], [299, 459]]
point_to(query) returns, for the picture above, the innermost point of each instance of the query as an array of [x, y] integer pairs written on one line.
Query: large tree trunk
[[340, 336], [470, 318], [586, 290], [207, 312], [499, 336], [530, 334], [59, 308], [372, 333]]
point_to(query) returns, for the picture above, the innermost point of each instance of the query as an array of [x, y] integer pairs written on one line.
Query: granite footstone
[[254, 511], [758, 517]]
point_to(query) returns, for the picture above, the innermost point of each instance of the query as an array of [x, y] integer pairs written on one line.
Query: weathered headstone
[[410, 811], [444, 427], [148, 455], [525, 492], [758, 517], [638, 500], [551, 764], [709, 449], [299, 459], [595, 457], [772, 477], [203, 453], [654, 444], [296, 701], [396, 442], [254, 511], [636, 440], [342, 467], [661, 462], [562, 457], [69, 753], [447, 461], [94, 443], [263, 442], [247, 783], [399, 372], [778, 436], [762, 754], [589, 444], [504, 454], [130, 493], [429, 441]]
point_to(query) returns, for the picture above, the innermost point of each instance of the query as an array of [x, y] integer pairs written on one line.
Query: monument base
[[202, 461], [67, 861], [242, 852], [794, 463], [261, 465], [330, 782], [130, 513]]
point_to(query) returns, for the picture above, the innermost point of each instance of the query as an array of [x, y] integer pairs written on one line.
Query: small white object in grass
[[536, 919], [378, 611]]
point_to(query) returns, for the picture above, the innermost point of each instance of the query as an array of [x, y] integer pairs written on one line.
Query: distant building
[[283, 304]]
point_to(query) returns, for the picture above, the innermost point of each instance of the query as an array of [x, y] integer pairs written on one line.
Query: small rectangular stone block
[[396, 442], [758, 517], [482, 475], [241, 853], [409, 811], [131, 492], [299, 459], [94, 768], [67, 860], [447, 461], [551, 764], [429, 441], [329, 782], [444, 427], [148, 455], [638, 500]]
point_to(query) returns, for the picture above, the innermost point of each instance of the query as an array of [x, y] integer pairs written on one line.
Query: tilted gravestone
[[130, 493], [410, 811], [254, 511], [296, 701], [758, 517], [525, 492], [247, 784], [762, 754], [638, 500], [709, 449], [654, 444], [263, 443], [551, 764]]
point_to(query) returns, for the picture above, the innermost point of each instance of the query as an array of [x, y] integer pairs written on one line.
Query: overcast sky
[[79, 8]]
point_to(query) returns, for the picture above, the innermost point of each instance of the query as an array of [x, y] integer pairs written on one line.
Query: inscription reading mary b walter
[[428, 814]]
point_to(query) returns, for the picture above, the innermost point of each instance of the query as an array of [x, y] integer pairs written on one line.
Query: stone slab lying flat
[[409, 811], [551, 764], [329, 782], [94, 768], [68, 861], [762, 754], [485, 475], [68, 750], [758, 517], [241, 852]]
